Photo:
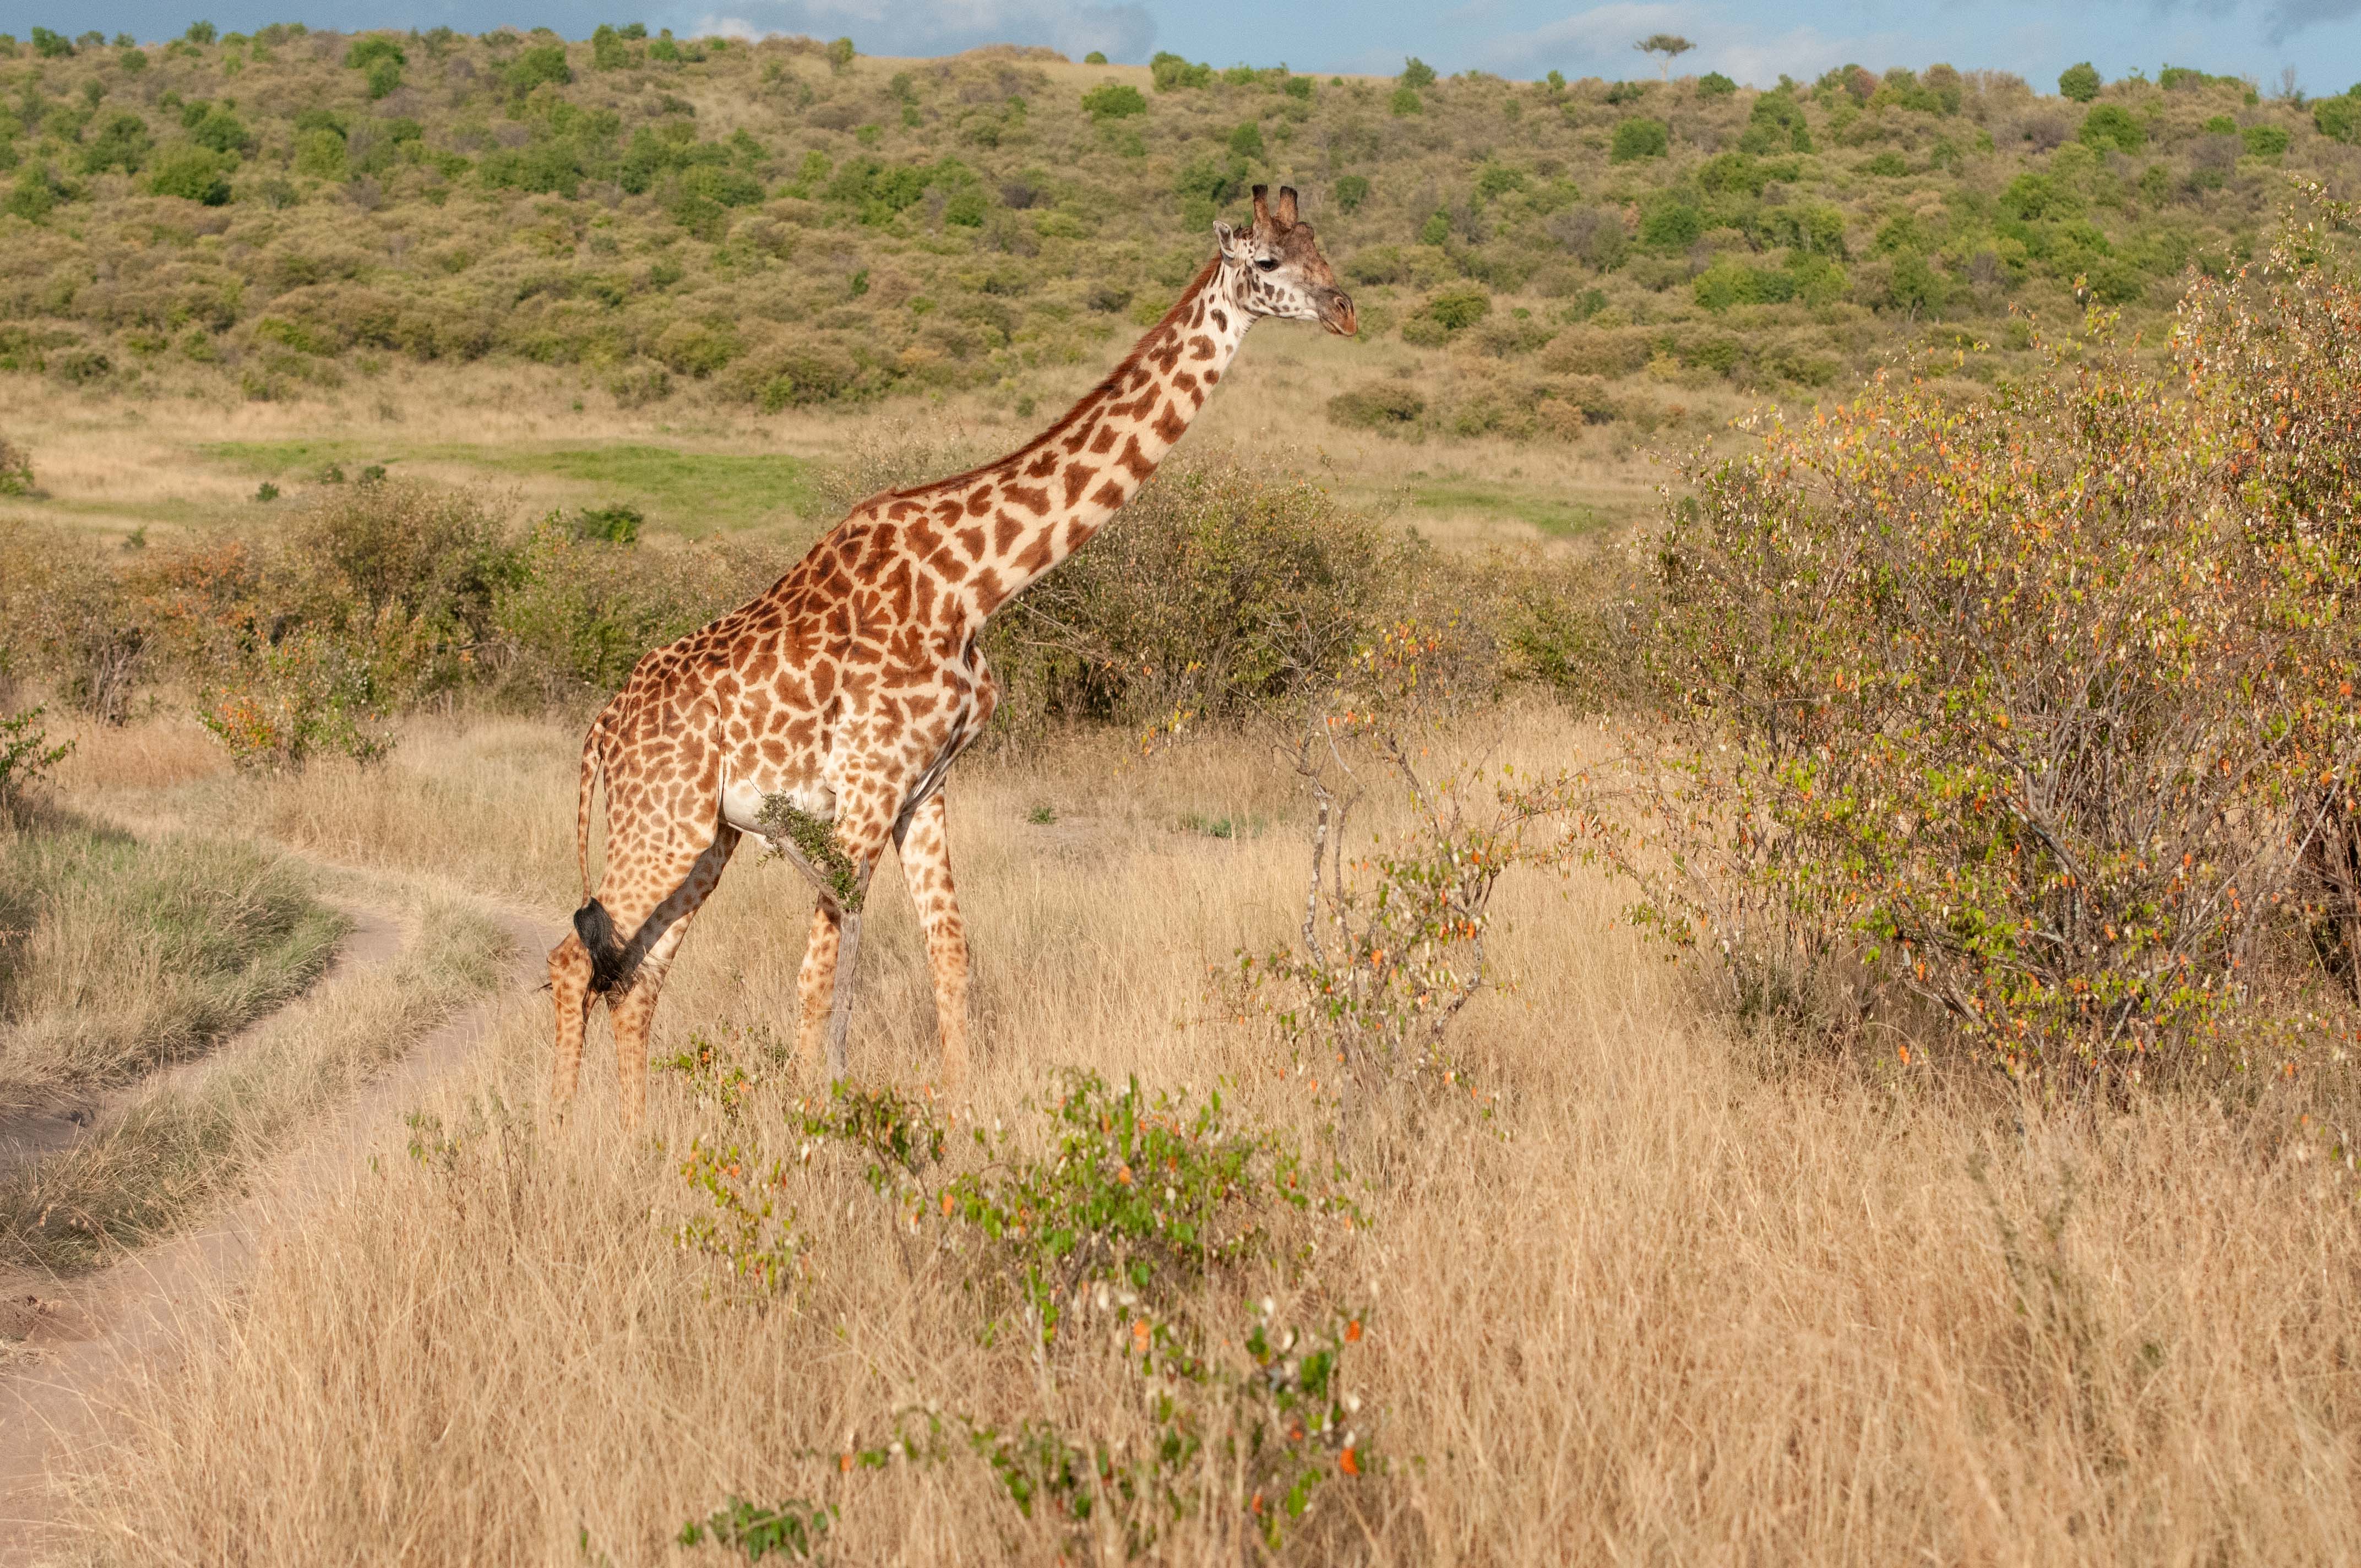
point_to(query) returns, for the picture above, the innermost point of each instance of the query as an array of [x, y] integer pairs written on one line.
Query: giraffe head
[[1279, 267]]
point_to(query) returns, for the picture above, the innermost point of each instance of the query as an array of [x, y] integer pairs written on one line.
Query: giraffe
[[822, 716]]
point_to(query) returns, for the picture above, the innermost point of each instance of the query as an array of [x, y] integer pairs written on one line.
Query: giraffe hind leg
[[571, 991], [655, 937]]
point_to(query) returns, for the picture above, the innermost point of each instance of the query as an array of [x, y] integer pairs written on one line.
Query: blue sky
[[1754, 41]]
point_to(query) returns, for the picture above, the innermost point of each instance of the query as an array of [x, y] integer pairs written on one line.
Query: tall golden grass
[[118, 955], [1689, 1295]]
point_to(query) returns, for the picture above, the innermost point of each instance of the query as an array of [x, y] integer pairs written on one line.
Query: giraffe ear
[[1285, 211], [1225, 236], [1262, 205]]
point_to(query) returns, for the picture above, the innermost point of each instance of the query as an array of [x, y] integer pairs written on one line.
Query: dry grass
[[121, 955], [176, 1148], [1687, 1298]]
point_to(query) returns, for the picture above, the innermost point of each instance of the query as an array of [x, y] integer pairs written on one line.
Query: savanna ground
[[1672, 1291], [1628, 1270]]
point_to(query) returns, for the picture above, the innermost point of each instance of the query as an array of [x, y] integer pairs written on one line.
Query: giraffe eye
[[1267, 263]]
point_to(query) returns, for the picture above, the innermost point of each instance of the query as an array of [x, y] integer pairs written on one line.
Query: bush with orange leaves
[[2274, 358], [2027, 706]]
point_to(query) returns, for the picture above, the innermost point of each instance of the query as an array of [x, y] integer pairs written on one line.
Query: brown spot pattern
[[852, 684]]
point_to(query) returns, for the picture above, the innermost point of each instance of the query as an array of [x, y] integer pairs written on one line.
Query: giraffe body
[[822, 716]]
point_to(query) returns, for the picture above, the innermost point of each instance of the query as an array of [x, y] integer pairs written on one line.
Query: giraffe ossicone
[[823, 715]]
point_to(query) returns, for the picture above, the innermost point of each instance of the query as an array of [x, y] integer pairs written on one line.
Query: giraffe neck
[[1040, 504]]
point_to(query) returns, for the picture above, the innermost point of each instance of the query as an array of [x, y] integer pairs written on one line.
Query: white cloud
[[1124, 30]]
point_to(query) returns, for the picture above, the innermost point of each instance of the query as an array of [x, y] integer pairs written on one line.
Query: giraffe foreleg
[[926, 869], [840, 1003], [858, 835], [815, 986]]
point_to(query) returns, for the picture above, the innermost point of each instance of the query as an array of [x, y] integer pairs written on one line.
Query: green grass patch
[[1224, 826], [117, 955], [1556, 519], [691, 492]]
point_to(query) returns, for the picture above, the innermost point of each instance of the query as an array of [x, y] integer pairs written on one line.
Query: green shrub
[[25, 758], [2080, 83], [193, 174], [1170, 74], [2029, 197], [1108, 1234], [617, 524], [1379, 405], [1416, 73], [1113, 101], [1455, 309], [2264, 141], [16, 470], [533, 67], [1730, 282], [2114, 126], [1989, 701], [1351, 190], [1714, 84], [580, 611], [216, 127], [1406, 101], [1775, 123], [608, 50], [320, 153], [1638, 138], [394, 582], [2338, 119], [380, 60], [1670, 224], [1221, 592], [124, 143]]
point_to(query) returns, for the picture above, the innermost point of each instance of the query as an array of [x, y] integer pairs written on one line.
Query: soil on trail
[[96, 1347]]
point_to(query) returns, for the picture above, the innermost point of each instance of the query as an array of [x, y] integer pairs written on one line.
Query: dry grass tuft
[[181, 1146], [122, 955], [1681, 1298]]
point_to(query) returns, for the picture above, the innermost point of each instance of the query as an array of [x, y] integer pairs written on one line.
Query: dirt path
[[127, 1322]]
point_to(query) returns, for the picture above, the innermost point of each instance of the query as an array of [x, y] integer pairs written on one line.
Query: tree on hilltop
[[1669, 45]]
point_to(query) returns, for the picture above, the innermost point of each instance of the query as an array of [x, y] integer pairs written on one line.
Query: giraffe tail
[[594, 770], [611, 961]]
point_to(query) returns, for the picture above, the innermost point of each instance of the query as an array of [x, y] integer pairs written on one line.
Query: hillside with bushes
[[788, 222]]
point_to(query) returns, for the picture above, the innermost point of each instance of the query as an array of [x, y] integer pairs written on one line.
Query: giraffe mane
[[1082, 405]]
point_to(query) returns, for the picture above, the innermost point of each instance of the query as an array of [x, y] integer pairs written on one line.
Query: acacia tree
[[1669, 45]]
